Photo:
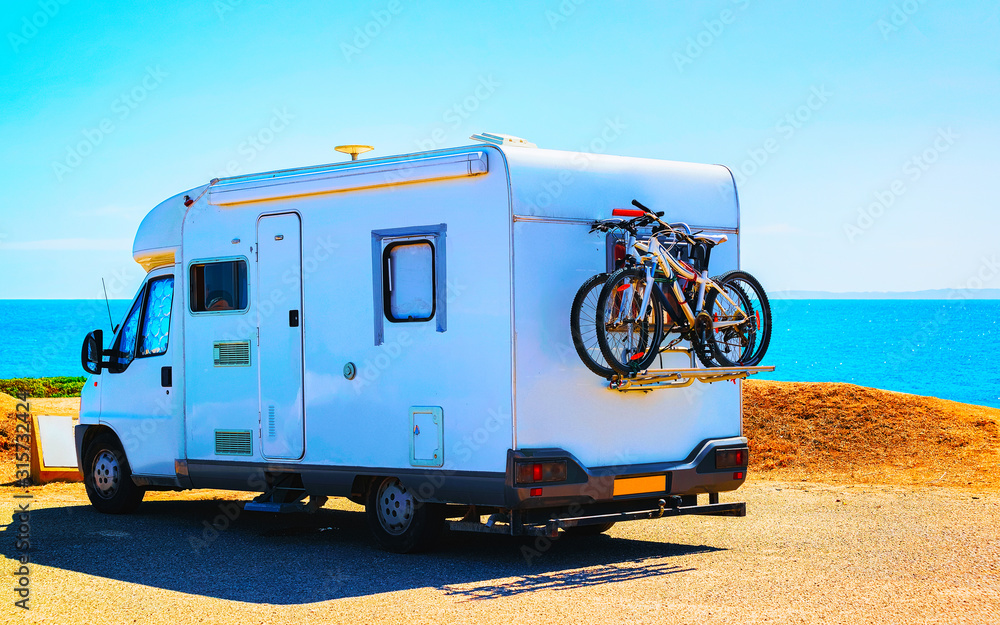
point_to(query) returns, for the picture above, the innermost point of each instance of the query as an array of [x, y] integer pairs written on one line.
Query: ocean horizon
[[938, 348]]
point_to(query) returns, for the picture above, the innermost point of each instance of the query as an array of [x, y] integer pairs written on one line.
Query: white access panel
[[279, 350]]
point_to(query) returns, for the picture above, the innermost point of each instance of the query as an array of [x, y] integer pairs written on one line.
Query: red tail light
[[535, 472], [620, 253], [731, 458]]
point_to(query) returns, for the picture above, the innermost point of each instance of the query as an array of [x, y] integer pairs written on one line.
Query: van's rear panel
[[559, 402]]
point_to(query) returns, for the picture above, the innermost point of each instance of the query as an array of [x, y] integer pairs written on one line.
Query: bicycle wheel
[[583, 326], [745, 330], [629, 339]]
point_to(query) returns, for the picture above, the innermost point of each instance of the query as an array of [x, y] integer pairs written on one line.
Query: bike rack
[[651, 379], [679, 378]]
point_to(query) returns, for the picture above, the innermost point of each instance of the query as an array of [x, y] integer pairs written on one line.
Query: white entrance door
[[279, 350]]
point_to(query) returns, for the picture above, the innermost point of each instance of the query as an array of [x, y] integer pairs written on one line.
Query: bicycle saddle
[[710, 239]]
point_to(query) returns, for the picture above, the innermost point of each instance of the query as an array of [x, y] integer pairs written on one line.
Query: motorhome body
[[398, 327]]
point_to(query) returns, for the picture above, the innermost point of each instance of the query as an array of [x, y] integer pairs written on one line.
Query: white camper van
[[396, 331]]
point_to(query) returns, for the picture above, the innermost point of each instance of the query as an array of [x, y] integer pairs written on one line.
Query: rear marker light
[[736, 476], [730, 458], [536, 492], [535, 472]]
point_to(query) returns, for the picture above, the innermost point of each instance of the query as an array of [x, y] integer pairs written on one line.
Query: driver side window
[[146, 329], [125, 343]]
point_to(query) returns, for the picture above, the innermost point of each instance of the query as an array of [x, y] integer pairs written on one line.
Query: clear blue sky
[[892, 100]]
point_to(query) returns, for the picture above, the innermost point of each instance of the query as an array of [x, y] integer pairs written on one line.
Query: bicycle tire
[[626, 351], [583, 326], [753, 343]]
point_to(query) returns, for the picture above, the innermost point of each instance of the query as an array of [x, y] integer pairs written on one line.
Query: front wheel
[[741, 320], [107, 476], [629, 338], [398, 520]]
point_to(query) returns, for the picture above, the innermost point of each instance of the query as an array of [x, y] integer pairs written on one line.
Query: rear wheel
[[740, 334], [107, 476], [629, 338], [583, 326], [398, 520]]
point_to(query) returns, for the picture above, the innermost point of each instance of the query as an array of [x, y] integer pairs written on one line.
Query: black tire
[[583, 326], [588, 530], [107, 476], [634, 338], [398, 520], [744, 345]]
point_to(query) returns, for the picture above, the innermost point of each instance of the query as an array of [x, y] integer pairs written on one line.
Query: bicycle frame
[[653, 255]]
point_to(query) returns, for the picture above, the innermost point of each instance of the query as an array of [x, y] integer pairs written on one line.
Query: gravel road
[[806, 553]]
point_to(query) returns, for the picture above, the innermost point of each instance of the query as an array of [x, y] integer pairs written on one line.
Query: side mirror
[[91, 356]]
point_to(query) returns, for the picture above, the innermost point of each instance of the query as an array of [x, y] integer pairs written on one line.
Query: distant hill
[[930, 294]]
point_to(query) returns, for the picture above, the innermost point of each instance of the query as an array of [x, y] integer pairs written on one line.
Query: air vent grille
[[271, 431], [231, 353], [233, 443]]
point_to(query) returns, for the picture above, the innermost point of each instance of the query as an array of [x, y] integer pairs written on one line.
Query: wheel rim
[[395, 507], [106, 474], [631, 335], [735, 344], [588, 325]]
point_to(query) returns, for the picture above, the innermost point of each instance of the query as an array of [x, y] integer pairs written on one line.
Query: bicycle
[[583, 314], [726, 319]]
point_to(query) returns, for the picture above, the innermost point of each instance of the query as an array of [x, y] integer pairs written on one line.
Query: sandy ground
[[806, 553]]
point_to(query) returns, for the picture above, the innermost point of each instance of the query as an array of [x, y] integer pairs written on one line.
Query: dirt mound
[[846, 433], [7, 403]]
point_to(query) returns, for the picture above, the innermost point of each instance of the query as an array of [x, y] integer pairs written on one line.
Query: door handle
[[166, 377], [293, 318]]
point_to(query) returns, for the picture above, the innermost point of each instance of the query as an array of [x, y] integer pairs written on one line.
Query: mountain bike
[[583, 314], [726, 319]]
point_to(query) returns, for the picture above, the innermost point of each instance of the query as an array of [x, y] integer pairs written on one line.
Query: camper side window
[[409, 276], [408, 281], [219, 286]]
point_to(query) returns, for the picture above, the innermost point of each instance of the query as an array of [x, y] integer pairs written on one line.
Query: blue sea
[[941, 348]]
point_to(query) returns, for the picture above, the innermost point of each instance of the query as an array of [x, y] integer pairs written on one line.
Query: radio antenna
[[114, 328]]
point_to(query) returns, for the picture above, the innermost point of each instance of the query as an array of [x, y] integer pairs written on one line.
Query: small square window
[[408, 281], [219, 286]]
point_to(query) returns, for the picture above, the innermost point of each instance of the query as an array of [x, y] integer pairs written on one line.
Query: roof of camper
[[542, 181]]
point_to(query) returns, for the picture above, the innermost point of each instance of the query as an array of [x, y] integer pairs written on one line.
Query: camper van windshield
[[219, 286]]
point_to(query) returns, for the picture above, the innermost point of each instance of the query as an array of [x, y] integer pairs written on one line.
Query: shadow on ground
[[296, 559]]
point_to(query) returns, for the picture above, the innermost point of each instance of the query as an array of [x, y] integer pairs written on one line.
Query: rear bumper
[[586, 486]]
